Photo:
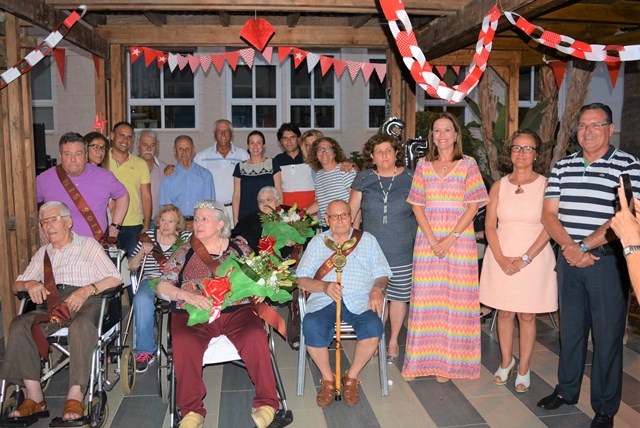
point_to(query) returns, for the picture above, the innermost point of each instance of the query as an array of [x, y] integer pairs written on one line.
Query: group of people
[[416, 248]]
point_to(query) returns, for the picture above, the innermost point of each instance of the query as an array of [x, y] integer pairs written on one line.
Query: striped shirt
[[332, 185], [221, 168], [587, 192], [80, 263], [151, 267]]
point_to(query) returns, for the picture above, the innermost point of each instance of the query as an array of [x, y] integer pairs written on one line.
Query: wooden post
[[510, 74], [117, 85], [403, 95], [101, 91]]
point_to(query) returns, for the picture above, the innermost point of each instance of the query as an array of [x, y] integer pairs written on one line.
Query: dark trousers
[[245, 330], [594, 297]]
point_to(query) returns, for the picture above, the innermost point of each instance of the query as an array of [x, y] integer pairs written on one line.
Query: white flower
[[262, 282]]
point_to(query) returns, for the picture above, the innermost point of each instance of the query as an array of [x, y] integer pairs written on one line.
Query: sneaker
[[143, 361]]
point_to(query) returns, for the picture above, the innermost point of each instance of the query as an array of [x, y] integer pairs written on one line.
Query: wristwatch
[[117, 226], [96, 292], [631, 249], [456, 234], [584, 248], [525, 258]]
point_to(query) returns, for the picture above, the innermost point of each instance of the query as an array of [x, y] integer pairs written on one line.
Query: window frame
[[45, 103], [374, 102]]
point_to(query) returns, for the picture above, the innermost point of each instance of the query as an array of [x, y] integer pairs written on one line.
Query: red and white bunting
[[325, 64], [248, 55], [614, 70], [205, 62], [161, 58], [559, 68], [312, 61], [298, 56], [135, 52], [339, 66], [283, 52], [182, 62], [194, 62], [218, 61], [60, 56], [232, 58], [149, 56], [172, 61], [267, 53], [442, 70], [354, 68], [367, 69], [381, 71]]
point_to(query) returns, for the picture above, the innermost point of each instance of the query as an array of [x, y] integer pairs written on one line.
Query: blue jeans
[[128, 238], [143, 310]]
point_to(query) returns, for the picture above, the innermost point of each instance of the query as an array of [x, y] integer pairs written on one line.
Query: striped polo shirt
[[332, 185], [588, 192], [221, 168]]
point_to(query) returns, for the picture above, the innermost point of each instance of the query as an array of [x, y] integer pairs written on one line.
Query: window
[[313, 97], [528, 90], [376, 91], [254, 93], [161, 99], [42, 93], [427, 103]]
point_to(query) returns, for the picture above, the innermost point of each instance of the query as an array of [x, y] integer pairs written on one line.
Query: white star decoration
[[299, 56], [136, 52]]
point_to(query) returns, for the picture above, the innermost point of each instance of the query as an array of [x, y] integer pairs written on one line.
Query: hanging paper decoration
[[135, 52], [267, 53], [312, 61], [172, 61], [232, 59], [43, 49], [205, 62], [416, 62], [576, 48], [182, 62], [60, 55], [354, 68], [218, 61], [442, 70], [338, 66], [381, 71], [367, 70], [559, 68], [325, 64], [456, 69], [99, 125], [248, 55], [614, 70], [149, 56], [194, 62], [283, 52], [257, 32], [298, 56], [161, 58]]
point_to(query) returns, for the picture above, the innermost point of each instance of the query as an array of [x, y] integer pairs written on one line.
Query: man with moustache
[[148, 146]]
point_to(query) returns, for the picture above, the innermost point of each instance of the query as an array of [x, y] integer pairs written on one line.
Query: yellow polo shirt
[[132, 174]]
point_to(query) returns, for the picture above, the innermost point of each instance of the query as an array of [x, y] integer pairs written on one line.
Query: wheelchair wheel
[[45, 367], [127, 370], [98, 410]]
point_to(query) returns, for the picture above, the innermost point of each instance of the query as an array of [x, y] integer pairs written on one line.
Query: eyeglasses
[[52, 219], [98, 147], [525, 149], [341, 216], [325, 149], [594, 126]]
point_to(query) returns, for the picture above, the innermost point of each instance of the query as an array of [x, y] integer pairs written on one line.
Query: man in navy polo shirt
[[592, 279]]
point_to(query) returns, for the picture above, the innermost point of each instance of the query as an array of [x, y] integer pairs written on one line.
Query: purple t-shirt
[[96, 185]]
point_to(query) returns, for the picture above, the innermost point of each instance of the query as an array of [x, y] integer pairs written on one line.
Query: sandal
[[294, 342], [350, 391], [75, 407], [28, 410], [501, 375], [523, 381], [327, 393]]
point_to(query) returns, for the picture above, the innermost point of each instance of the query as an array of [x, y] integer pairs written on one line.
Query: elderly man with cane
[[346, 266]]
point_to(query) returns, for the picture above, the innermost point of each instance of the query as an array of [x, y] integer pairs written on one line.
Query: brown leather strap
[[157, 253], [327, 266], [82, 206], [57, 311], [203, 254]]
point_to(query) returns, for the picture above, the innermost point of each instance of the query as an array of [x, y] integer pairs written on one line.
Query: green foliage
[[356, 158]]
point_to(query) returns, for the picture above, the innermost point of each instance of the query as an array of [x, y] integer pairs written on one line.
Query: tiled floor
[[421, 403]]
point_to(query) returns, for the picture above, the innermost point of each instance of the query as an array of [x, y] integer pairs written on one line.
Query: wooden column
[[17, 176], [510, 74], [403, 96], [117, 85], [101, 90]]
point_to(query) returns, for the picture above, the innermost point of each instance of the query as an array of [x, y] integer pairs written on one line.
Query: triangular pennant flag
[[614, 70], [194, 62], [325, 64], [283, 52], [267, 53], [161, 58], [298, 56], [456, 69], [232, 59], [312, 61], [96, 64], [247, 55], [172, 61], [135, 52], [149, 55], [559, 68], [367, 69], [182, 62], [338, 66], [381, 71], [353, 67], [257, 32], [442, 70], [205, 63], [218, 61], [60, 54]]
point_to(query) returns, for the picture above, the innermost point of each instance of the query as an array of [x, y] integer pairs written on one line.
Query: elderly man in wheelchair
[[63, 279], [360, 292]]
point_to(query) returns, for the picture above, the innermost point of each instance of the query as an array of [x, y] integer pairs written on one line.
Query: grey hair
[[220, 213], [64, 209], [227, 121], [266, 189], [150, 132]]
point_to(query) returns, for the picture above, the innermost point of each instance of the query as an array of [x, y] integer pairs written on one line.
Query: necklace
[[385, 194], [519, 188]]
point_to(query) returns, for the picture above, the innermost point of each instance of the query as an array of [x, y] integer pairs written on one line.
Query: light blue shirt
[[185, 187], [364, 265], [221, 168]]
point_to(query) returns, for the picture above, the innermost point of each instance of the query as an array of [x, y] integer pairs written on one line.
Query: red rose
[[266, 244]]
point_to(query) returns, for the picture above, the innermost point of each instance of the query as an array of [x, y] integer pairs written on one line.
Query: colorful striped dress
[[443, 335]]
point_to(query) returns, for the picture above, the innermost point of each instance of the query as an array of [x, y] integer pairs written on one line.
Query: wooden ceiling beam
[[292, 19], [157, 19], [210, 35], [414, 7], [358, 21], [38, 13], [450, 33], [618, 13], [95, 19], [225, 19]]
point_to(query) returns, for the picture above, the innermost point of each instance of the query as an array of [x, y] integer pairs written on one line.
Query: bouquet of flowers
[[286, 226], [258, 275]]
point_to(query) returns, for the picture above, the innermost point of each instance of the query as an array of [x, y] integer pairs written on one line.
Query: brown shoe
[[326, 394], [350, 393]]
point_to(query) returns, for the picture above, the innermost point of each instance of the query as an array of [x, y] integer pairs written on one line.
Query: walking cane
[[126, 330], [339, 261]]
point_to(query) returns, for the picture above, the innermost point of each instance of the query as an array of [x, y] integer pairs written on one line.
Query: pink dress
[[533, 289]]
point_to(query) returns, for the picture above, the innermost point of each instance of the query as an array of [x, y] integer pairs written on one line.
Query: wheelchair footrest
[[59, 422], [23, 421], [281, 419]]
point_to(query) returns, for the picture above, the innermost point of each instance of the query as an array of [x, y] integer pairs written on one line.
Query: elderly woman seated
[[185, 271]]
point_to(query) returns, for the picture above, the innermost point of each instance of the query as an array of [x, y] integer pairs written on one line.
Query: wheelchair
[[109, 349], [219, 351]]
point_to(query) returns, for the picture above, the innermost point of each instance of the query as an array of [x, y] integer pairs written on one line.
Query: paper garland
[[43, 49], [248, 56]]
